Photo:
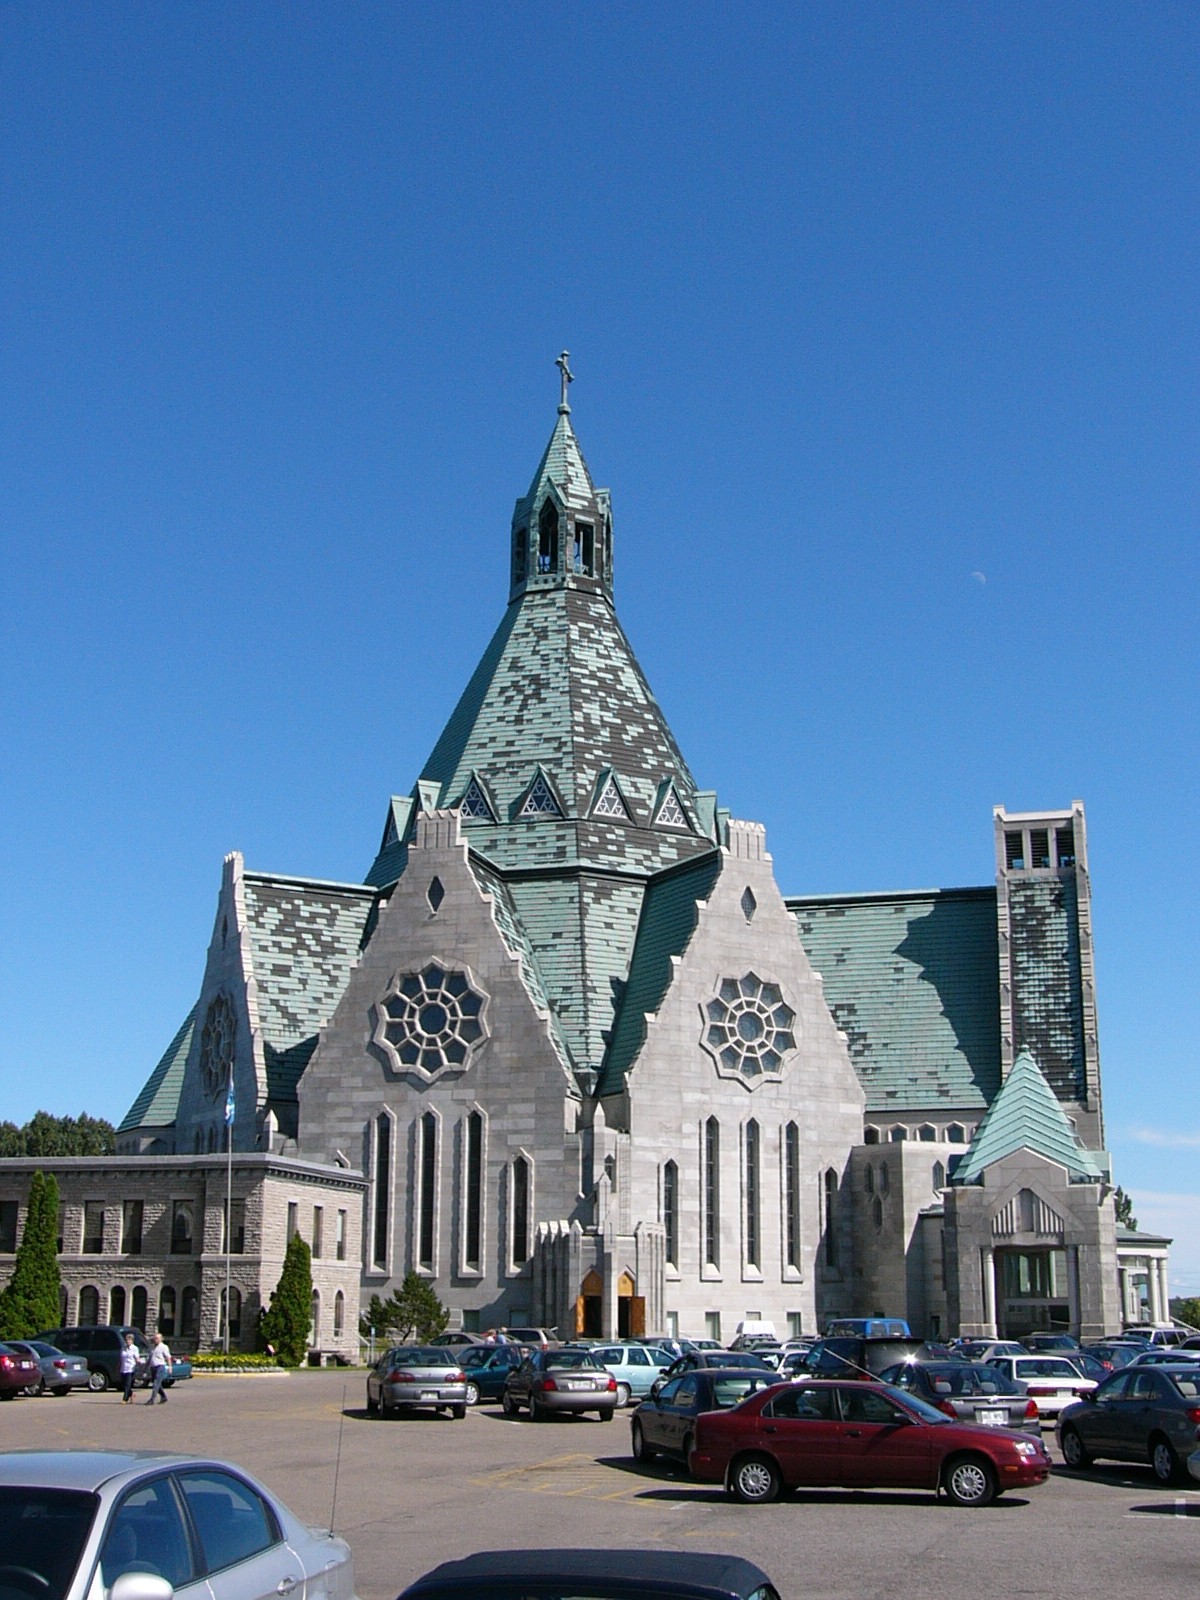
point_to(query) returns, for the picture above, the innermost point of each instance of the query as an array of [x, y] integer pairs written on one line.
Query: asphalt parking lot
[[416, 1490]]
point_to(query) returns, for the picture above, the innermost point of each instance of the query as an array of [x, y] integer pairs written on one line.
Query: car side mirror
[[1090, 1396], [141, 1586], [655, 1388]]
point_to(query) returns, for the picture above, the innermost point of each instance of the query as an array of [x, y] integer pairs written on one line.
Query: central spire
[[562, 529]]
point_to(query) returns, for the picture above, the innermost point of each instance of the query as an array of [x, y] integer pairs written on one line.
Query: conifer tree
[[285, 1325], [29, 1303]]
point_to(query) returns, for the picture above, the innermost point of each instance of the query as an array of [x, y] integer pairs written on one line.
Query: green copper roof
[[304, 938], [1027, 1115], [562, 465], [913, 981], [156, 1105], [667, 923]]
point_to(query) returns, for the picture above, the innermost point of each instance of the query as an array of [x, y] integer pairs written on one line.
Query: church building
[[571, 1053]]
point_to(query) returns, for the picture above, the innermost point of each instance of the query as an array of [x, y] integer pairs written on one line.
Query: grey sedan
[[60, 1372], [978, 1394], [144, 1525], [551, 1381], [416, 1377], [1141, 1414]]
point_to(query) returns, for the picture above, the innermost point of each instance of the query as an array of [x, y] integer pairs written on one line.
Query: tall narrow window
[[1014, 852], [315, 1317], [235, 1229], [166, 1312], [383, 1186], [585, 549], [8, 1226], [473, 1235], [341, 1236], [89, 1307], [235, 1314], [293, 1220], [425, 1241], [339, 1314], [750, 1178], [318, 1230], [831, 1208], [1064, 842], [116, 1305], [520, 1217], [1039, 847], [181, 1228], [189, 1314], [791, 1196], [712, 1192], [93, 1227], [548, 538], [671, 1211], [140, 1308], [131, 1227]]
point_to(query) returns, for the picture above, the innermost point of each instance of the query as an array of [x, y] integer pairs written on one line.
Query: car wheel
[[1075, 1453], [622, 1394], [970, 1481], [687, 1448], [537, 1411], [372, 1405], [1163, 1459], [8, 1394], [97, 1380], [472, 1394], [58, 1393], [458, 1412], [641, 1450], [754, 1480], [508, 1405], [605, 1414]]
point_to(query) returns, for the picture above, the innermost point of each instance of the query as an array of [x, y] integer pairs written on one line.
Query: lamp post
[[229, 1109]]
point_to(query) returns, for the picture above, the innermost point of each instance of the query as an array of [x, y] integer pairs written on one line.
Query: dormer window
[[548, 538], [610, 803], [585, 549], [474, 803], [671, 813], [540, 802]]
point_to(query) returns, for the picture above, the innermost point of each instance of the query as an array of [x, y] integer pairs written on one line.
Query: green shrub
[[284, 1328], [29, 1302], [235, 1361]]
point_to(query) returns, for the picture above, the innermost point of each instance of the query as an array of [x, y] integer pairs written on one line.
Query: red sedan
[[826, 1434]]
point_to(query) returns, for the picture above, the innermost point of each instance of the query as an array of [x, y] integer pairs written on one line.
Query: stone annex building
[[571, 1053]]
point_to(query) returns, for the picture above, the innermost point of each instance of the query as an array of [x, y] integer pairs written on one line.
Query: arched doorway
[[589, 1307], [631, 1309]]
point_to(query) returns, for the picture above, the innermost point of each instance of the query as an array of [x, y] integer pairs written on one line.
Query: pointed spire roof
[[562, 465], [1027, 1115]]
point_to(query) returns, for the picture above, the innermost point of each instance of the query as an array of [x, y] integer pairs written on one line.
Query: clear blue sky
[[885, 325]]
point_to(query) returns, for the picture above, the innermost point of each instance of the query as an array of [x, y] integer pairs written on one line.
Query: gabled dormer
[[668, 808], [608, 798], [476, 802], [540, 798], [562, 529]]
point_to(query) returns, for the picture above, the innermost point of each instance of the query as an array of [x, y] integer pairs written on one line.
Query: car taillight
[[611, 1385], [402, 1377], [1193, 1415], [1043, 1392], [543, 1384], [457, 1377], [61, 1365], [6, 1362], [946, 1408], [1031, 1411]]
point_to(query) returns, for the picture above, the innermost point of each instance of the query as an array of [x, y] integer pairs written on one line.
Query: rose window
[[431, 1019], [216, 1046], [748, 1027]]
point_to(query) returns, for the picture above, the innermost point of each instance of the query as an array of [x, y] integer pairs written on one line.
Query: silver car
[[414, 1377], [1050, 1380], [60, 1373], [144, 1525]]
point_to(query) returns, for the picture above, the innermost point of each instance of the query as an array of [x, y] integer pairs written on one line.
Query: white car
[[144, 1525], [1053, 1381]]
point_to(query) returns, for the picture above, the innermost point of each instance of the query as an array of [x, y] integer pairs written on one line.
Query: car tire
[[1163, 1459], [1075, 1452], [970, 1481], [8, 1394], [622, 1395], [687, 1448], [641, 1450], [58, 1393], [605, 1413], [472, 1394], [508, 1405], [754, 1480], [458, 1412], [372, 1405], [97, 1380], [537, 1411]]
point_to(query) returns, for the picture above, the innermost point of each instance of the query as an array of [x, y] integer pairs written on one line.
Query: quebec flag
[[229, 1103]]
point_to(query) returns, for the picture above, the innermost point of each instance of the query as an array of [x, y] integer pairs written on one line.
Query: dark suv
[[846, 1357], [101, 1349]]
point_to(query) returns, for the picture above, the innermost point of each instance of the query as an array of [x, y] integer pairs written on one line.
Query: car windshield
[[741, 1359], [570, 1358], [45, 1529], [421, 1356], [728, 1389], [917, 1406], [965, 1380]]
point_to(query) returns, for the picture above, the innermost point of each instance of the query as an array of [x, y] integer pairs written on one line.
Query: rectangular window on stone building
[[235, 1232], [293, 1220], [340, 1241], [712, 1193], [383, 1188], [1014, 852], [8, 1227], [1064, 841], [318, 1229], [670, 1210], [131, 1227], [428, 1200], [182, 1219], [520, 1211], [1039, 847], [93, 1227], [712, 1325], [473, 1235], [791, 1197], [750, 1182]]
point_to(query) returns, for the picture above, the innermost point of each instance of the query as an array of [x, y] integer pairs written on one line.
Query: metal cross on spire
[[567, 377]]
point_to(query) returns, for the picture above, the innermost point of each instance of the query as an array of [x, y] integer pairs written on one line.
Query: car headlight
[[1028, 1449]]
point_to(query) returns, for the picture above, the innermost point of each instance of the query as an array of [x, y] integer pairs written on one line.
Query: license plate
[[429, 1394], [992, 1419], [571, 1384]]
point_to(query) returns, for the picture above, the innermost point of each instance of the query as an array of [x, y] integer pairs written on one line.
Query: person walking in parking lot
[[160, 1366], [129, 1364]]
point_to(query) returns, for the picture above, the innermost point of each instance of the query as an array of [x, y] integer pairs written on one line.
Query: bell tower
[[562, 529]]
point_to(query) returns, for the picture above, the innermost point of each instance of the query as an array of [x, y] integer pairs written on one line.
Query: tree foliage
[[29, 1302], [413, 1311], [285, 1325], [45, 1135], [1124, 1205], [1187, 1311]]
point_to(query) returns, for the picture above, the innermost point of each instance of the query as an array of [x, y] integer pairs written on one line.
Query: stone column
[[1156, 1314], [1123, 1281], [989, 1294], [1072, 1262], [1164, 1296]]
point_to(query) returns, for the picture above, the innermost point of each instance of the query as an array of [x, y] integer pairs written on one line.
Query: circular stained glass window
[[749, 1028], [431, 1020]]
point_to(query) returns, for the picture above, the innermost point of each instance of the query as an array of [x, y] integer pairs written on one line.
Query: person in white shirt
[[160, 1367], [129, 1360]]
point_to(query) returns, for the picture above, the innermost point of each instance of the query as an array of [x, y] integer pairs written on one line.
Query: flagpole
[[228, 1200]]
